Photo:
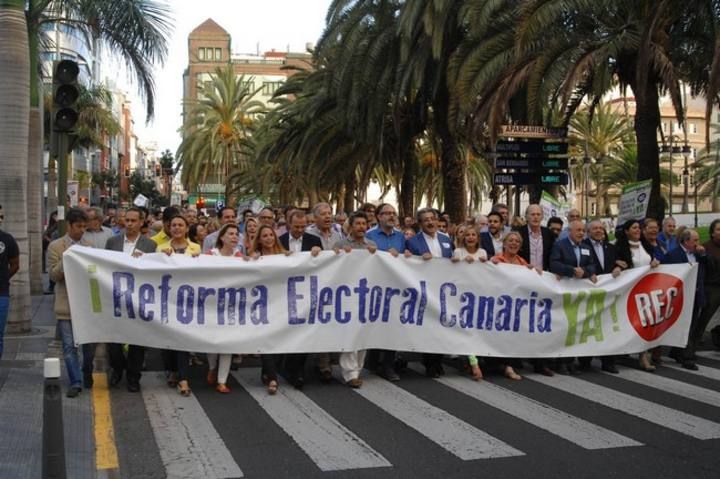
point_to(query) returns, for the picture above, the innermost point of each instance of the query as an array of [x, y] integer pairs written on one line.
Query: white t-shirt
[[462, 253]]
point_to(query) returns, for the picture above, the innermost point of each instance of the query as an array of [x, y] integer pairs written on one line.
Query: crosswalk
[[436, 412]]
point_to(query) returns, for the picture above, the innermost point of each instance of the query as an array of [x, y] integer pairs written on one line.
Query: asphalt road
[[634, 425]]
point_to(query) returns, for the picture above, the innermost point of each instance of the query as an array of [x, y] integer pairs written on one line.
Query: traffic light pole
[[62, 179]]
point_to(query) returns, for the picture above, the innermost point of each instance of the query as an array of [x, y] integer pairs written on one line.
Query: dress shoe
[[115, 378], [390, 375], [573, 369], [432, 372], [133, 387], [88, 380], [355, 383], [690, 365], [610, 368], [73, 392], [441, 369], [298, 382], [675, 354], [545, 371], [585, 367], [562, 369], [326, 376]]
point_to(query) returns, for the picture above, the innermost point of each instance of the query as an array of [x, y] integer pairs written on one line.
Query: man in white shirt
[[323, 226]]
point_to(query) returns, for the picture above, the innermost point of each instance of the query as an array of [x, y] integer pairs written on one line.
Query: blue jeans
[[70, 353], [4, 307]]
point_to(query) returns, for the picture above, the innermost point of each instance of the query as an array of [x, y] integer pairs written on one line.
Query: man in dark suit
[[429, 243], [537, 239], [570, 258], [130, 242], [604, 257], [537, 242], [690, 251], [296, 241], [491, 240]]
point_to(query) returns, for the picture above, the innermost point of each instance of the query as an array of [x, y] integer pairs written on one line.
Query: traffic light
[[200, 203], [65, 95], [127, 172], [157, 169]]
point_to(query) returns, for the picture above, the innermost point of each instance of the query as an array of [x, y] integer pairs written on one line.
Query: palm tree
[[600, 133], [217, 129], [14, 112], [137, 30], [565, 50]]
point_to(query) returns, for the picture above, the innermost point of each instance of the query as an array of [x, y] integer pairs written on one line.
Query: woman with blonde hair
[[219, 365], [266, 243], [251, 228]]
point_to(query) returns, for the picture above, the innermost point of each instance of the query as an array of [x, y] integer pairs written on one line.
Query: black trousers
[[294, 365], [699, 324], [132, 364], [268, 367], [176, 362]]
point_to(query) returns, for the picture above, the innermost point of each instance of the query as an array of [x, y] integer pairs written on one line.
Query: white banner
[[553, 207], [634, 201], [73, 189], [360, 300]]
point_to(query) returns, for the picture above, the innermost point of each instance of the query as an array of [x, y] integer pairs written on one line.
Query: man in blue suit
[[571, 258], [491, 240], [690, 251], [429, 243]]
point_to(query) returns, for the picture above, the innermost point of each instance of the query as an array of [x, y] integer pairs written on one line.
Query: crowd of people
[[568, 249]]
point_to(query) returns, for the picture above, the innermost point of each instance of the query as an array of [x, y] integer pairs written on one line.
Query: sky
[[271, 23]]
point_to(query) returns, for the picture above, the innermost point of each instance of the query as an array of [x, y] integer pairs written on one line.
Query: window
[[218, 54], [201, 54], [664, 127], [270, 87], [693, 128]]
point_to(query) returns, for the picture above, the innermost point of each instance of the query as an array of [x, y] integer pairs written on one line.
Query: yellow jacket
[[193, 249]]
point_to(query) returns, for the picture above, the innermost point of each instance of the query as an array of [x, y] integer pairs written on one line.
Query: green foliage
[[146, 187]]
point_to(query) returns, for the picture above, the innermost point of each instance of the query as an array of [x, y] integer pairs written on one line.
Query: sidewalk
[[21, 403]]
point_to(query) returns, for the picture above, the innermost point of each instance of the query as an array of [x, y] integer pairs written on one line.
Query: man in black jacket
[[537, 242], [604, 256], [132, 243], [296, 241]]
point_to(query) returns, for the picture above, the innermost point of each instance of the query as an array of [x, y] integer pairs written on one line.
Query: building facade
[[209, 48]]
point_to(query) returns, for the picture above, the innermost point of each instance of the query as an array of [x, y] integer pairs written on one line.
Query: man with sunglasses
[[9, 265]]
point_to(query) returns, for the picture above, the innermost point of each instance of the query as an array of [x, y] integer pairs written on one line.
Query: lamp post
[[586, 189], [695, 193], [686, 151], [670, 150]]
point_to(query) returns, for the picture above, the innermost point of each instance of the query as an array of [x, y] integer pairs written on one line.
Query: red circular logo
[[654, 304]]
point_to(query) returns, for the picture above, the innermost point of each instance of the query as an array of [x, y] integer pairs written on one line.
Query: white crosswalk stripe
[[562, 424], [704, 371], [190, 446], [708, 355], [188, 443], [454, 435], [327, 442], [649, 411], [669, 385]]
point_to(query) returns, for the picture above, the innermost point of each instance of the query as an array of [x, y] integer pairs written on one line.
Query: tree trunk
[[453, 165], [647, 121], [14, 121], [34, 200], [35, 171], [349, 195], [407, 184]]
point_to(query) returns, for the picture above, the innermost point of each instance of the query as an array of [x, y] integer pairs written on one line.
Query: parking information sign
[[634, 201]]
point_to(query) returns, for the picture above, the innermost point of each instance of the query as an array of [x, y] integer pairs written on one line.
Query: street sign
[[544, 178], [532, 131], [531, 147], [532, 163]]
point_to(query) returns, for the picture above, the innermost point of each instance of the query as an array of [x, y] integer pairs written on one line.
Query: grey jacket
[[144, 244]]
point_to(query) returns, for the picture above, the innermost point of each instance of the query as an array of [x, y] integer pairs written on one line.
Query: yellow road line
[[105, 451]]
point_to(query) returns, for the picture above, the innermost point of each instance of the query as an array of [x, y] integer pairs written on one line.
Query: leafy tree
[[217, 130]]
